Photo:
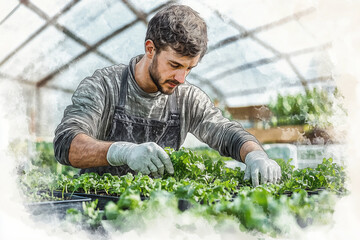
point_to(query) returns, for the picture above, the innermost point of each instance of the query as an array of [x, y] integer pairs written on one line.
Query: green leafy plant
[[45, 159], [90, 216], [212, 190], [313, 107]]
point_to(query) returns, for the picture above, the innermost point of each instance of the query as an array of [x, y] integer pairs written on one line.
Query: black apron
[[138, 130]]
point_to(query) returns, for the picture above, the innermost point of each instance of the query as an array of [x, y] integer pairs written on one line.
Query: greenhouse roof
[[255, 50]]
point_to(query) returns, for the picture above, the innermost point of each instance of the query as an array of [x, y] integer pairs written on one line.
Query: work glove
[[145, 158], [258, 162]]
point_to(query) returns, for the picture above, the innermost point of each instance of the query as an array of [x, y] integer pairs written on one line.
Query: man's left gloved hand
[[258, 162]]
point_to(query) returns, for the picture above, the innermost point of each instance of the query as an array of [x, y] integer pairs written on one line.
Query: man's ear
[[149, 48]]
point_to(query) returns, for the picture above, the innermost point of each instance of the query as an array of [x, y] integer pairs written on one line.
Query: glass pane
[[231, 56], [317, 26], [329, 84], [127, 44], [250, 100], [260, 98], [245, 80], [314, 65], [50, 7], [147, 5], [56, 101], [14, 31], [15, 105], [6, 7], [279, 70], [288, 38], [215, 26], [48, 51], [93, 20], [75, 73], [267, 77], [254, 13]]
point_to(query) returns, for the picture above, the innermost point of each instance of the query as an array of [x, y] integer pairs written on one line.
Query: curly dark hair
[[179, 27]]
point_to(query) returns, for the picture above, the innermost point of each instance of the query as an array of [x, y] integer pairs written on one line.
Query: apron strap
[[123, 86], [174, 111]]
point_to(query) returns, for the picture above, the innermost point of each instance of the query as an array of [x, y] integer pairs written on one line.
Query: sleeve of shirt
[[82, 116], [209, 125]]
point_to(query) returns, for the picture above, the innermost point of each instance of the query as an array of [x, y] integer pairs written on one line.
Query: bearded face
[[168, 69], [165, 86]]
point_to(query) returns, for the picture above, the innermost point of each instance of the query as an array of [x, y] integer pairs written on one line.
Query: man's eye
[[174, 66]]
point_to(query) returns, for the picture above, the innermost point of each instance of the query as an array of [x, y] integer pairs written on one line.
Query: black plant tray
[[57, 208], [102, 199], [309, 192], [184, 204]]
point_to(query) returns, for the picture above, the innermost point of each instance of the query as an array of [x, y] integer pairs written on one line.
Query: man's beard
[[155, 76]]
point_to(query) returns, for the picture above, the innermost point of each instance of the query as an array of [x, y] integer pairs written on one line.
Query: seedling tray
[[102, 199], [309, 192], [57, 208]]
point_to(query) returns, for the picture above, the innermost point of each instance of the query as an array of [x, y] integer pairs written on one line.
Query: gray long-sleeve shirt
[[94, 101]]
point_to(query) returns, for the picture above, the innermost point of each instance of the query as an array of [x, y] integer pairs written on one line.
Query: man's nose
[[180, 75]]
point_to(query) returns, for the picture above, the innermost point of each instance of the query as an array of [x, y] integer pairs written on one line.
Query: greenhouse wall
[[52, 104]]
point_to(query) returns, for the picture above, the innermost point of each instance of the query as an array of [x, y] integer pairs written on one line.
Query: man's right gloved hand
[[145, 158]]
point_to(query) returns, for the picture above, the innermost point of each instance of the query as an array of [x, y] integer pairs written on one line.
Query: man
[[123, 116]]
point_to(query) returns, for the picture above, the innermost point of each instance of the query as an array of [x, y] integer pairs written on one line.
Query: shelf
[[283, 134]]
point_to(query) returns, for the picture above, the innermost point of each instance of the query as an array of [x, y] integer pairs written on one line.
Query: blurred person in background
[[123, 116]]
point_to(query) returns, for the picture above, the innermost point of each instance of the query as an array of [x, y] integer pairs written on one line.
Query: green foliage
[[45, 159], [210, 153], [202, 168], [135, 218], [260, 210], [36, 181], [90, 216], [41, 197], [326, 175], [286, 169], [130, 199], [187, 165], [213, 191], [45, 156], [314, 107], [196, 177]]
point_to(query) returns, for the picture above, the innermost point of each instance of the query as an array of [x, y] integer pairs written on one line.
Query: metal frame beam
[[265, 61], [33, 84], [20, 80], [263, 89], [42, 28], [205, 82], [51, 75], [66, 31], [139, 14], [251, 34], [10, 13]]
